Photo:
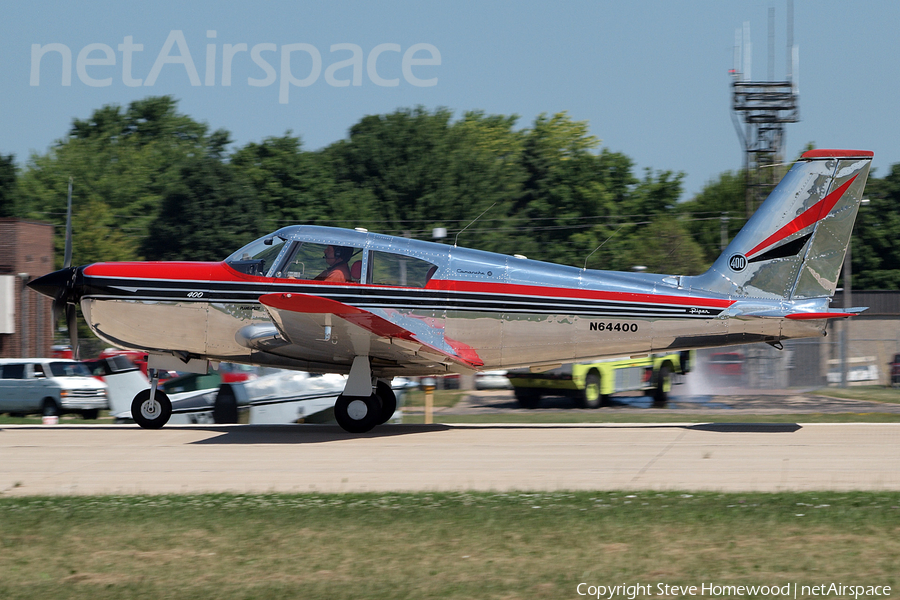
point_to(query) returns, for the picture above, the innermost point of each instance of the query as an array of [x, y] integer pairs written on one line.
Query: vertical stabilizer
[[793, 247]]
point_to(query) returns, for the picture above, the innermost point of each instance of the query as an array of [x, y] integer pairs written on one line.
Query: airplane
[[418, 308]]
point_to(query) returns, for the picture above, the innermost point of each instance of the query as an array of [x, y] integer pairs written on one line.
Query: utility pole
[[764, 107]]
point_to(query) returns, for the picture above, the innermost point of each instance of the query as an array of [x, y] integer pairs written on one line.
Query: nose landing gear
[[151, 408]]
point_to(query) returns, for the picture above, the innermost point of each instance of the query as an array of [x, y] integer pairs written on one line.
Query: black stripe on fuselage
[[381, 297]]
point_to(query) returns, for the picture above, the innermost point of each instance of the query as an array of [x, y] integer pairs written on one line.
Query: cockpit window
[[322, 262], [256, 258], [387, 268]]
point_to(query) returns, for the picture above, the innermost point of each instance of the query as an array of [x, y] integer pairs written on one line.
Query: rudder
[[793, 247]]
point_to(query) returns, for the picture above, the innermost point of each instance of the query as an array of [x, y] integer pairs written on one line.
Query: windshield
[[256, 258], [69, 369]]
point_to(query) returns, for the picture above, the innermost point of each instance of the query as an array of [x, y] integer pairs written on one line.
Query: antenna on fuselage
[[456, 239], [601, 245]]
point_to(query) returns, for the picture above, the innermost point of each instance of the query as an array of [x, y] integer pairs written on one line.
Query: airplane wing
[[320, 329]]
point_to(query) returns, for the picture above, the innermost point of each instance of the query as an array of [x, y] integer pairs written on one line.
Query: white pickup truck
[[50, 386]]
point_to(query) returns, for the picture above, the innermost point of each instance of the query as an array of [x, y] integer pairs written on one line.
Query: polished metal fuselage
[[511, 312]]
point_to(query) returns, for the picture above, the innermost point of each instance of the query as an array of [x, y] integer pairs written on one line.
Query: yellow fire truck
[[591, 384]]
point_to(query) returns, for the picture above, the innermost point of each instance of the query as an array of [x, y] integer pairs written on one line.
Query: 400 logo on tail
[[738, 262]]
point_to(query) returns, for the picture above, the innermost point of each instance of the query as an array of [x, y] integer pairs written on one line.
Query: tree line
[[154, 184]]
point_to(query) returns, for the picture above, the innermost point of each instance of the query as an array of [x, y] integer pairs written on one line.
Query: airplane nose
[[56, 285]]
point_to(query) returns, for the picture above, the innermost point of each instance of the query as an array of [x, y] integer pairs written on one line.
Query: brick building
[[26, 252]]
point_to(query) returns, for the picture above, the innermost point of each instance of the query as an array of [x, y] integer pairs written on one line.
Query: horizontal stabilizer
[[821, 315], [804, 316]]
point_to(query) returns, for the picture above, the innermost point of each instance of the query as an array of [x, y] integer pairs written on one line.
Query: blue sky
[[651, 77]]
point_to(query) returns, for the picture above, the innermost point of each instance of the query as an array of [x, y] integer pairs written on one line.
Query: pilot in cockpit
[[336, 257]]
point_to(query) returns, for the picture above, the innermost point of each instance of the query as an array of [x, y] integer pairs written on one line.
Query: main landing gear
[[359, 414], [359, 409], [151, 408]]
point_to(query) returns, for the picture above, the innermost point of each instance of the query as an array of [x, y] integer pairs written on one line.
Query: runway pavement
[[123, 459]]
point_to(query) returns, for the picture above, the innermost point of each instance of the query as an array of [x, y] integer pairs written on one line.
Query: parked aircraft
[[375, 306]]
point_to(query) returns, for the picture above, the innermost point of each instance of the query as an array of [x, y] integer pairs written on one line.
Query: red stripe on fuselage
[[189, 271], [186, 271], [516, 289], [202, 272]]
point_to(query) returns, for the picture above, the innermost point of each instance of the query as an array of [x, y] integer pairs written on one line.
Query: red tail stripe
[[813, 214]]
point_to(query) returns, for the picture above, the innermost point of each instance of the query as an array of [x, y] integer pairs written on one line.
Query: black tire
[[151, 416], [49, 408], [590, 396], [663, 384], [388, 401], [225, 409], [90, 414], [357, 414], [528, 398]]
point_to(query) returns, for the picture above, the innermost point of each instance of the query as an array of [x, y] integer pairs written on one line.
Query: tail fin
[[793, 247]]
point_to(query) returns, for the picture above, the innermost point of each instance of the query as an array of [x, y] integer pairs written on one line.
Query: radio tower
[[764, 107]]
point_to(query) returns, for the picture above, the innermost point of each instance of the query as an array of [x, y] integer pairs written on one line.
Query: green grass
[[441, 398], [431, 545]]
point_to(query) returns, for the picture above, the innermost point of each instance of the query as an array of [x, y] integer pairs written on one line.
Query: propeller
[[67, 258], [61, 298], [64, 286]]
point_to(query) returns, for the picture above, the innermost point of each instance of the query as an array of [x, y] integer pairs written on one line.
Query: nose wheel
[[151, 413], [151, 408]]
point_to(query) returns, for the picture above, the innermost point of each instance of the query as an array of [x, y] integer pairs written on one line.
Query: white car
[[492, 380], [124, 380], [50, 386]]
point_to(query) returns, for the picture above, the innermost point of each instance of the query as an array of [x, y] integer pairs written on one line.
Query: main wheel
[[663, 384], [90, 414], [388, 401], [151, 415], [357, 414], [590, 395]]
